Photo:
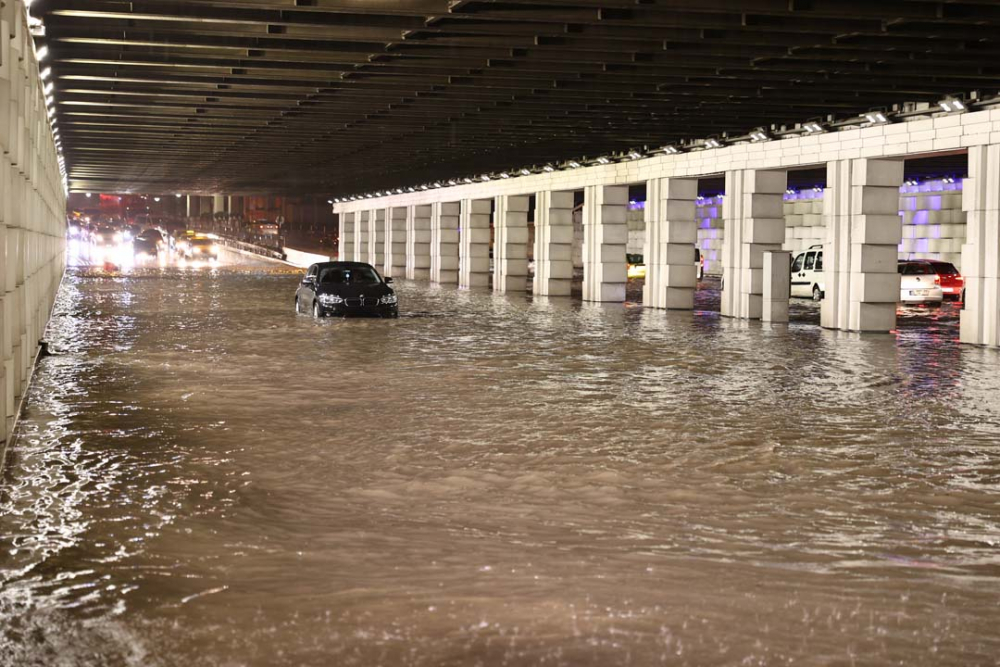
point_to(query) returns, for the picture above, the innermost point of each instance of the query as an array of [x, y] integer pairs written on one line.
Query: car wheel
[[316, 311], [298, 308], [817, 294]]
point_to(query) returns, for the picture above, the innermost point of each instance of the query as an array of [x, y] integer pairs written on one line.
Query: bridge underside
[[347, 96]]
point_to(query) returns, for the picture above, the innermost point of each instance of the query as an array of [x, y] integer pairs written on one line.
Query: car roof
[[345, 265]]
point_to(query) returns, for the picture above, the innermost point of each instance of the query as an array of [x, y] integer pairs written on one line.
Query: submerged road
[[206, 478]]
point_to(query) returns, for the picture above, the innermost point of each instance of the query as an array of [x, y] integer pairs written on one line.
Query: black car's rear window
[[361, 275], [945, 268]]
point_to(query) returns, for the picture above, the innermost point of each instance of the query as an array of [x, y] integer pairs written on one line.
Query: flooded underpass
[[204, 477]]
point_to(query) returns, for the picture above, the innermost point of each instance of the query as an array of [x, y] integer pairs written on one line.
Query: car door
[[307, 290], [800, 285]]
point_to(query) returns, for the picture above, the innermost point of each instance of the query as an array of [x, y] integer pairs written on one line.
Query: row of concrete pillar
[[449, 242], [32, 215]]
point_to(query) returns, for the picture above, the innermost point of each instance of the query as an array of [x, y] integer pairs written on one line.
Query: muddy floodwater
[[204, 477]]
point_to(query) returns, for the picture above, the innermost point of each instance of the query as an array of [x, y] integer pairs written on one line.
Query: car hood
[[355, 291]]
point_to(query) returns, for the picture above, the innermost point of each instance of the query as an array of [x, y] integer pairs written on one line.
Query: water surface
[[206, 478]]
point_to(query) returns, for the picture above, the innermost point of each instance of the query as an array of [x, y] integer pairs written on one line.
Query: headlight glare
[[388, 300]]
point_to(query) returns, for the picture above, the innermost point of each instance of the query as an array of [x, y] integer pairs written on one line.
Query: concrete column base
[[980, 319], [510, 250], [605, 234], [553, 243], [863, 231], [444, 242], [669, 249], [376, 239], [395, 242], [346, 247], [754, 224], [474, 243], [777, 286], [418, 242]]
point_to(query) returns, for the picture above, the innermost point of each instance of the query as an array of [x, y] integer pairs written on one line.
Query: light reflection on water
[[206, 478]]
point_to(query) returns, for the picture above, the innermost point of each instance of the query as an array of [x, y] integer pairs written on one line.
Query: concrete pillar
[[376, 238], [553, 243], [218, 204], [189, 206], [860, 254], [474, 243], [444, 242], [754, 224], [671, 234], [395, 242], [363, 236], [346, 245], [510, 249], [418, 242], [777, 286], [980, 318], [605, 234]]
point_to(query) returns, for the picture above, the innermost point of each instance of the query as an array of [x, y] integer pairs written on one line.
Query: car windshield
[[358, 275], [633, 258], [201, 241]]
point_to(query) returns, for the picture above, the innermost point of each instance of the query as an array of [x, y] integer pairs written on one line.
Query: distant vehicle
[[145, 248], [153, 234], [919, 283], [346, 289], [264, 228], [637, 267], [952, 282], [807, 274], [201, 247], [106, 236]]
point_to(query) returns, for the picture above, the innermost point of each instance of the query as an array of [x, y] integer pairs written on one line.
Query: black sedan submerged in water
[[344, 289]]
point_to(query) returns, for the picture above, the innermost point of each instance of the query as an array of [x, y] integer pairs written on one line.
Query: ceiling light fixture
[[952, 105]]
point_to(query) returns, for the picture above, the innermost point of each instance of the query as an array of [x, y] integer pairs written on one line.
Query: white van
[[807, 274]]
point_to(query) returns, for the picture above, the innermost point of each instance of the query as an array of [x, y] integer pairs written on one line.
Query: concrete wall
[[32, 213]]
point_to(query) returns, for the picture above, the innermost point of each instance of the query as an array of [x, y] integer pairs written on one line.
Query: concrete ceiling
[[336, 97]]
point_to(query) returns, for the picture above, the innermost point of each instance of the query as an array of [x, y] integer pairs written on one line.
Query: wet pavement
[[204, 477]]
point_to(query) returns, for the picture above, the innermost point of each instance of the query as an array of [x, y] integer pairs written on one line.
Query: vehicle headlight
[[330, 299], [215, 249], [388, 300]]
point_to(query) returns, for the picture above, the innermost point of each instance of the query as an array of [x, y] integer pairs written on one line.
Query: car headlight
[[388, 300], [330, 299], [215, 249]]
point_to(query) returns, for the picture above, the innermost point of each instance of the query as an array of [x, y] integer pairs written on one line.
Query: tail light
[[937, 280]]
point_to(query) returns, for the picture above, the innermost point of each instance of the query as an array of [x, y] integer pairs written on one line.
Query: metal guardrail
[[252, 248]]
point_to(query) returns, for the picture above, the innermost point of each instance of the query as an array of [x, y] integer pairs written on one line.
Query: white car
[[807, 274], [918, 282]]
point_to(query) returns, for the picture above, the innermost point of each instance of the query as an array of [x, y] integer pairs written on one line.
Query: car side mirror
[[309, 280], [388, 281]]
